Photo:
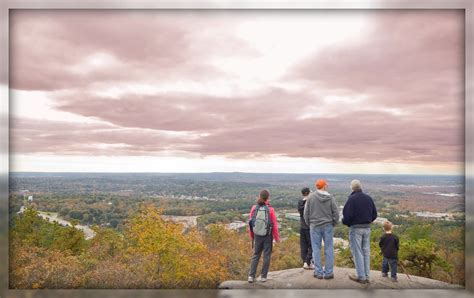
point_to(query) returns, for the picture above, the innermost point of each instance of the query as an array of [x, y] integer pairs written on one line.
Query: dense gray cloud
[[56, 49], [395, 95]]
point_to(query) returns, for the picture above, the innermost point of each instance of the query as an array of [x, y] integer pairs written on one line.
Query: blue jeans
[[359, 239], [393, 266], [324, 233]]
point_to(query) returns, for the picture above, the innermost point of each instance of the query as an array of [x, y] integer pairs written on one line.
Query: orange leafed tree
[[176, 258]]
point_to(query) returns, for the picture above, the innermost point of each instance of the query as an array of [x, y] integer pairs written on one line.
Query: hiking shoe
[[384, 274], [251, 279], [329, 276], [263, 279], [317, 276], [305, 265], [357, 279], [394, 279]]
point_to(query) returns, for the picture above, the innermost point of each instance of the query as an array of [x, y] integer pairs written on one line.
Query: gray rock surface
[[299, 278]]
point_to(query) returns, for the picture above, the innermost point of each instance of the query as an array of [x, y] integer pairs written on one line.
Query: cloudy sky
[[253, 91]]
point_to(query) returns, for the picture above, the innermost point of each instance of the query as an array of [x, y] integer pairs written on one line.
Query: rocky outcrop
[[299, 278]]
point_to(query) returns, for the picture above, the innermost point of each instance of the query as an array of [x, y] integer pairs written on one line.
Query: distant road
[[53, 217]]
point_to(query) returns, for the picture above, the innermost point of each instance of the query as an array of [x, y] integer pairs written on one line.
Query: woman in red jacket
[[263, 229]]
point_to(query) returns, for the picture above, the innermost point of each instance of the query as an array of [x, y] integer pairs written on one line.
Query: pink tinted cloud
[[247, 127], [409, 69], [61, 137], [346, 138], [188, 112], [411, 58], [144, 46]]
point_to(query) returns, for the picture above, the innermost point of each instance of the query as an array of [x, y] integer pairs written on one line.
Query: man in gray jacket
[[321, 214]]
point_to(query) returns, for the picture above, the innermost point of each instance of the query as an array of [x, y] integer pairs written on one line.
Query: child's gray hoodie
[[320, 209]]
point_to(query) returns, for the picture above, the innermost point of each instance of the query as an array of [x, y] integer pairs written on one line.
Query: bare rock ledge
[[299, 278]]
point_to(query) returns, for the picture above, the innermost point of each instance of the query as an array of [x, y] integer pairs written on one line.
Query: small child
[[389, 245]]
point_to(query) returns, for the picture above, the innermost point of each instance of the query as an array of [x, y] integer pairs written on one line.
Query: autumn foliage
[[152, 252], [173, 258]]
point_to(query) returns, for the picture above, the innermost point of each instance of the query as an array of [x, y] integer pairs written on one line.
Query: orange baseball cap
[[321, 183]]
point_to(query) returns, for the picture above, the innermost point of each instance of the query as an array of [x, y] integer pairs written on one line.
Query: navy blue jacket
[[359, 209]]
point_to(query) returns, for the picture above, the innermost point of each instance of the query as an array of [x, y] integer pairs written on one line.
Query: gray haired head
[[356, 185]]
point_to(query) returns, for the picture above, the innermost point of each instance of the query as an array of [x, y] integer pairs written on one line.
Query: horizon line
[[235, 172]]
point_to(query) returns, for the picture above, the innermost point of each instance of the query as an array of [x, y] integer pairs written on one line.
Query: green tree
[[31, 230], [421, 256], [75, 215]]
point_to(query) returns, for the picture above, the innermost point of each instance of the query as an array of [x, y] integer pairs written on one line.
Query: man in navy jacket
[[358, 213]]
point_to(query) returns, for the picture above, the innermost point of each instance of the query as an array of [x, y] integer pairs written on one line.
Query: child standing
[[389, 245]]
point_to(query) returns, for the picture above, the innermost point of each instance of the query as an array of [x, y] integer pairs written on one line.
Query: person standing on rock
[[358, 213], [321, 215], [305, 238], [263, 229], [389, 244]]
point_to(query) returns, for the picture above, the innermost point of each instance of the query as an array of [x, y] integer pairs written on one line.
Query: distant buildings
[[236, 225], [380, 220], [293, 216], [187, 221], [433, 215], [193, 198]]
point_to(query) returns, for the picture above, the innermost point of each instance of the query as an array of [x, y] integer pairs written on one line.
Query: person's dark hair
[[305, 191], [263, 197]]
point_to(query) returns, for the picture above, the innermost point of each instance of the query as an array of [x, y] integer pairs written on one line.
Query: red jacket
[[273, 219]]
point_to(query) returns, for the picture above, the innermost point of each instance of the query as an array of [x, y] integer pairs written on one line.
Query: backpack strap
[[269, 220], [254, 216]]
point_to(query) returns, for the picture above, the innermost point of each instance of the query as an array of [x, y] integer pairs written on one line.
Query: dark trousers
[[305, 245], [261, 244], [393, 266]]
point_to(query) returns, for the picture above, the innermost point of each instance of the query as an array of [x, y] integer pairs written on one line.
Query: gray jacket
[[320, 209]]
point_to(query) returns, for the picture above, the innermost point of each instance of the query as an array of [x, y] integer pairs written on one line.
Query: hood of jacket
[[323, 195]]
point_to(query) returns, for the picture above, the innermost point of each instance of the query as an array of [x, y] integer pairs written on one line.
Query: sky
[[224, 91]]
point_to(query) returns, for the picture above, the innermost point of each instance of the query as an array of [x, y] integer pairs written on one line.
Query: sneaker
[[384, 274], [317, 276], [357, 279], [311, 266], [305, 265], [251, 279], [263, 279], [330, 276], [394, 279]]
